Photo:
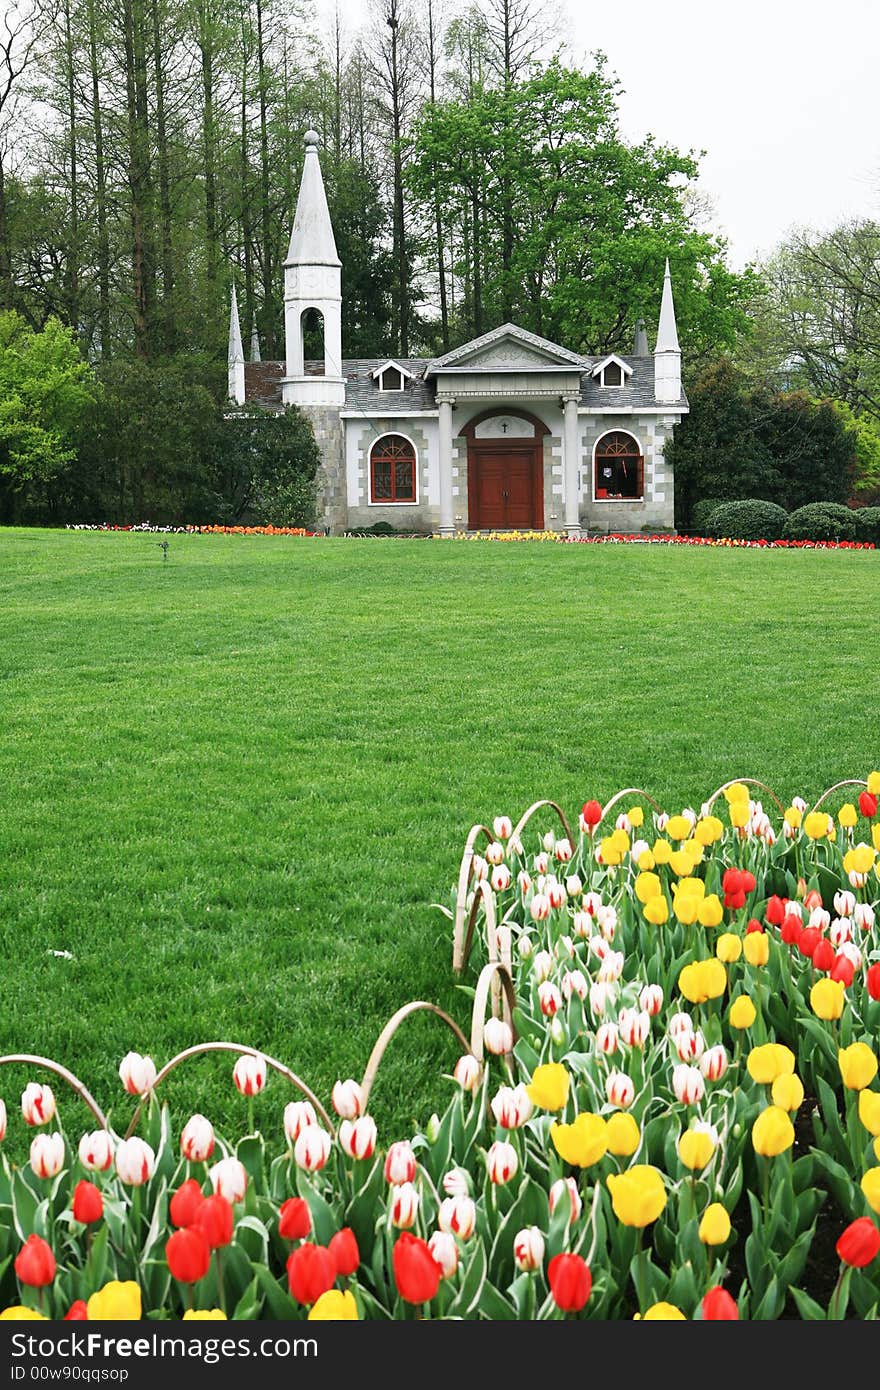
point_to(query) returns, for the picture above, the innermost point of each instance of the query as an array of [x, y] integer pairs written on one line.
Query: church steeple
[[235, 357], [313, 282], [667, 353]]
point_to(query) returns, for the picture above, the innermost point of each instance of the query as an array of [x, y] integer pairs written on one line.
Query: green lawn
[[234, 783]]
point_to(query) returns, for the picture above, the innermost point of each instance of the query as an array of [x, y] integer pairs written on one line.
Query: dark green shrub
[[823, 521], [701, 512], [868, 523], [749, 520]]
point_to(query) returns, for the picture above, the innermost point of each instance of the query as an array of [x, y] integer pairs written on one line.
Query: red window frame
[[393, 452], [623, 448]]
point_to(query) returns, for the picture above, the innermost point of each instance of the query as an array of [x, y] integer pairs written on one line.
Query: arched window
[[312, 328], [392, 470], [620, 469]]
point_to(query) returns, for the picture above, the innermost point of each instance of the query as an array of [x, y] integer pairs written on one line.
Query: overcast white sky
[[781, 94]]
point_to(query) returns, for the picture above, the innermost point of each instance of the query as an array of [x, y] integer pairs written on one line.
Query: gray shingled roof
[[263, 383]]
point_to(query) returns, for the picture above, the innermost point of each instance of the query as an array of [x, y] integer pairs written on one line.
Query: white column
[[570, 464], [447, 514]]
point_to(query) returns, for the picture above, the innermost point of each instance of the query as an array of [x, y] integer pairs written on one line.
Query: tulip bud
[[573, 885], [511, 1106], [197, 1139], [563, 851], [713, 1064], [249, 1075], [601, 995], [690, 1046], [575, 982], [458, 1216], [582, 925], [298, 1114], [548, 841], [432, 1129], [549, 999], [839, 932], [456, 1183], [404, 1206], [539, 907], [678, 1025], [541, 863], [96, 1151], [35, 1263], [633, 1027], [612, 967], [688, 1084], [501, 878], [357, 1138], [400, 1163], [37, 1104], [312, 1148], [844, 903], [524, 945], [347, 1098], [185, 1202], [598, 947], [495, 853], [620, 1089], [497, 1036], [47, 1154], [294, 1219], [651, 1000], [562, 1188], [516, 845], [502, 827], [480, 867], [502, 1162], [135, 1162], [468, 1072], [444, 1252], [607, 1039], [229, 1178], [137, 1073], [555, 893], [863, 916], [542, 966], [528, 1249], [557, 1031], [524, 880]]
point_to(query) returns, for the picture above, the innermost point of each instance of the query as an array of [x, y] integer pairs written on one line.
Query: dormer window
[[612, 375], [391, 377], [612, 372]]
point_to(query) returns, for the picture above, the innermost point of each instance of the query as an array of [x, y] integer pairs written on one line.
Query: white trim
[[369, 416], [610, 501], [384, 435], [379, 372], [599, 370]]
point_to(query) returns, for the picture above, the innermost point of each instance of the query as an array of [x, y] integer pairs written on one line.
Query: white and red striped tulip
[[400, 1163], [678, 1025], [863, 916], [503, 827], [524, 880], [598, 947], [135, 1161], [651, 1000], [575, 982], [444, 1253], [501, 878], [563, 851], [357, 1138], [229, 1178], [524, 945], [298, 1115], [573, 885], [542, 966], [37, 1104], [634, 1026], [690, 1046], [495, 853], [458, 1216], [601, 995], [841, 930], [47, 1154], [249, 1075], [511, 1106], [497, 1036], [197, 1139], [620, 1089], [582, 925], [137, 1073], [456, 1183], [549, 999], [607, 1039], [96, 1151], [348, 1099], [852, 953], [622, 822], [468, 1072], [480, 867], [502, 1162], [844, 903], [528, 1249], [312, 1149], [638, 849], [688, 1084], [541, 863], [562, 1189], [556, 893], [607, 919], [611, 968], [404, 1209], [592, 903], [820, 918], [539, 907], [713, 1063]]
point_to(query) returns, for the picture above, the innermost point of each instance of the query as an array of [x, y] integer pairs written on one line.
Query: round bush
[[701, 513], [822, 521], [750, 520], [868, 523]]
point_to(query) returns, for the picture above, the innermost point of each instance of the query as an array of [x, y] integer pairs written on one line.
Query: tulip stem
[[220, 1289], [835, 1297]]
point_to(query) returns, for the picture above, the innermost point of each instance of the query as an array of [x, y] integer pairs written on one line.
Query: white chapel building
[[508, 432]]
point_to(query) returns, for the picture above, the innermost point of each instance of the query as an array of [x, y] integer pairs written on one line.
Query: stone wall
[[423, 515], [657, 510], [328, 431]]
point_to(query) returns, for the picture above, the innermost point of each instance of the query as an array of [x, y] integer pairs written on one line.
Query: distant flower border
[[147, 527]]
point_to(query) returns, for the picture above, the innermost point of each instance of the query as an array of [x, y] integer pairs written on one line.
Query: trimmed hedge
[[750, 520], [823, 521], [868, 522], [701, 513]]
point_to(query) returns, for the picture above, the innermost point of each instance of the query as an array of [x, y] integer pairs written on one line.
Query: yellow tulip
[[638, 1195], [620, 840], [656, 911], [772, 1132], [715, 1225], [711, 912], [737, 791], [728, 947], [708, 830], [742, 1013], [770, 1060], [18, 1313], [874, 783], [756, 948], [876, 1148], [204, 1315], [714, 978], [661, 1312], [793, 817], [583, 1142], [739, 814], [859, 860], [678, 827], [636, 816], [702, 980], [875, 836], [662, 851], [118, 1301], [685, 907], [334, 1306], [548, 1088], [647, 886], [869, 1111], [847, 816], [681, 862], [815, 824], [695, 850], [871, 1188], [611, 852], [695, 1149], [826, 999], [690, 888], [646, 861], [623, 1134], [858, 1066], [787, 1092]]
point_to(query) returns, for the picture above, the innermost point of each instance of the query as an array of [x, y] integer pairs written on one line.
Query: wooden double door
[[506, 485]]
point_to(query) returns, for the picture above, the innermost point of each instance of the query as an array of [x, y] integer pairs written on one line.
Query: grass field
[[234, 783]]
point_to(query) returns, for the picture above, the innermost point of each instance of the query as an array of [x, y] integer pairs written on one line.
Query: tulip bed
[[671, 1110]]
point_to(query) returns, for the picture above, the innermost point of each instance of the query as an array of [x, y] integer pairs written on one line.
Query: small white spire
[[667, 333], [255, 344], [235, 376], [312, 241]]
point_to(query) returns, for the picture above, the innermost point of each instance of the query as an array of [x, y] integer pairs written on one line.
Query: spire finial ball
[[312, 138]]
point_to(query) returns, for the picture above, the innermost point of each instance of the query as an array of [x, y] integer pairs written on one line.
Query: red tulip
[[185, 1203], [35, 1263], [867, 805], [77, 1312], [775, 911], [214, 1220], [843, 971], [791, 930], [344, 1249], [872, 980], [310, 1272], [570, 1282], [812, 899], [416, 1272], [88, 1204], [754, 925], [295, 1219], [859, 1244], [823, 956], [592, 813], [718, 1306], [188, 1254], [808, 941]]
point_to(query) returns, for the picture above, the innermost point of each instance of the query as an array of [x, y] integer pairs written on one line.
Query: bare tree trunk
[[247, 235], [100, 190], [438, 223], [265, 220], [72, 268], [169, 325], [209, 142], [139, 177]]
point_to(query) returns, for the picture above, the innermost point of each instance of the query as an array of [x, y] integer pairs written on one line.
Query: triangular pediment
[[508, 349]]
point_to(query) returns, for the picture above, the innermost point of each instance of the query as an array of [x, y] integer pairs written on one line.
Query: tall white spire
[[667, 353], [312, 287], [312, 241], [236, 354]]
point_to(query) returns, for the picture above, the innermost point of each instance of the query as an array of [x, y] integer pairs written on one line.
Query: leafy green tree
[[45, 390], [866, 431], [264, 467]]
